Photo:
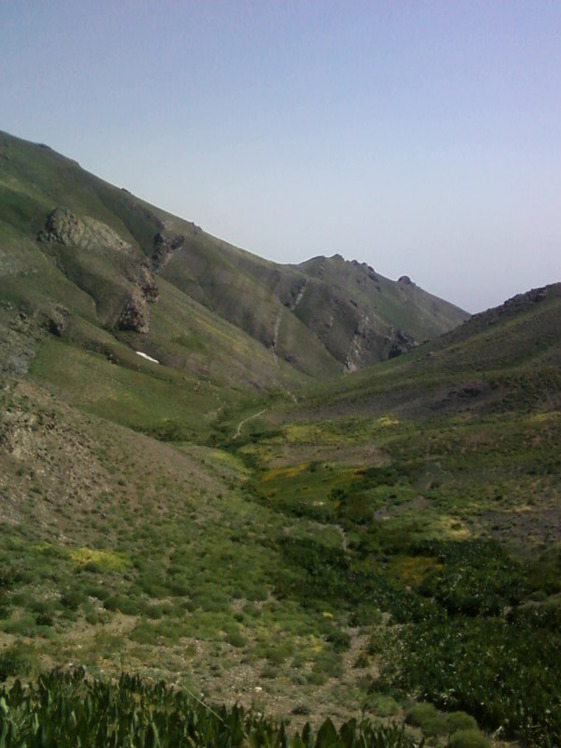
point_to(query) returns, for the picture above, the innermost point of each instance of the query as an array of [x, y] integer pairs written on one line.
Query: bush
[[460, 721], [428, 718], [382, 705], [71, 599], [44, 619], [236, 639], [122, 604], [468, 739], [14, 661], [340, 640]]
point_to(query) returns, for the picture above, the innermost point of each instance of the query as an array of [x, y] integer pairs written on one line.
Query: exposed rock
[[20, 337], [371, 274], [63, 227], [55, 319], [143, 276], [147, 282], [194, 230], [135, 312], [513, 306], [164, 247], [400, 343], [405, 280]]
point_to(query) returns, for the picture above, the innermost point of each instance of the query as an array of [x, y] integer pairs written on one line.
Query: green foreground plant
[[69, 709]]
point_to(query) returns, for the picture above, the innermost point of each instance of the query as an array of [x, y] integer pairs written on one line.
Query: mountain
[[506, 357], [98, 266]]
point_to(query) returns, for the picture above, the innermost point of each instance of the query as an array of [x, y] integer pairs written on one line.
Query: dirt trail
[[245, 420], [341, 531], [300, 295], [276, 336]]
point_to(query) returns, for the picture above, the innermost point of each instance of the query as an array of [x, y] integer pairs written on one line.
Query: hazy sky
[[421, 137]]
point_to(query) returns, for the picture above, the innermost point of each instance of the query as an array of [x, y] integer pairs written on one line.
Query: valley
[[244, 521]]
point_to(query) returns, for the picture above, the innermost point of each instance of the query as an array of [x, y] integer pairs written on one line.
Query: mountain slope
[[74, 248], [507, 357]]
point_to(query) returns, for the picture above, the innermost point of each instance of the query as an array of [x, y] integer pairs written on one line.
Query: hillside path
[[245, 420], [341, 531]]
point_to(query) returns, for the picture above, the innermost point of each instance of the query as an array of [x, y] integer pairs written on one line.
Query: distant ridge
[[505, 358]]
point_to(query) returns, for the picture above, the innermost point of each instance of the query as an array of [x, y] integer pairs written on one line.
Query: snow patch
[[147, 357]]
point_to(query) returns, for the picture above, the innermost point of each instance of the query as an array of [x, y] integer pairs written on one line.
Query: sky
[[422, 137]]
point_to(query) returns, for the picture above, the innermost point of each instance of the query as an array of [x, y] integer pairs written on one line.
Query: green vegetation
[[133, 712]]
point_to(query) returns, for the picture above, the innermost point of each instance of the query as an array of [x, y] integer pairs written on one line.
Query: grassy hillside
[[90, 272], [75, 246]]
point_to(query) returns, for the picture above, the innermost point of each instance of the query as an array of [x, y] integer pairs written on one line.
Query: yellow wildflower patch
[[286, 472], [412, 569], [450, 527], [107, 560], [543, 417], [387, 421]]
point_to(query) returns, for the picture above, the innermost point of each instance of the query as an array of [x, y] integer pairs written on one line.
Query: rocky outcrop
[[135, 312], [63, 227], [20, 338], [54, 319], [144, 278], [400, 342], [405, 280], [164, 247]]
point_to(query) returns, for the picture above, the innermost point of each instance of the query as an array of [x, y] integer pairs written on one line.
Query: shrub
[[362, 661], [340, 640], [236, 639], [44, 619], [460, 721], [144, 633], [383, 705], [468, 739], [329, 664], [71, 599], [428, 718], [122, 604], [14, 661]]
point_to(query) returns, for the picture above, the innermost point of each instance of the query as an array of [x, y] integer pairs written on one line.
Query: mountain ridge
[[319, 318]]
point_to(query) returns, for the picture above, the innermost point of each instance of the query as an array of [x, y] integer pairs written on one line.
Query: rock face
[[405, 280], [54, 318], [164, 247], [135, 313], [147, 283], [400, 343], [63, 227]]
